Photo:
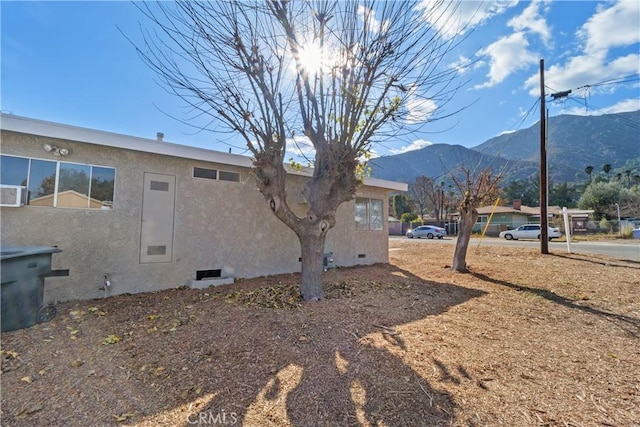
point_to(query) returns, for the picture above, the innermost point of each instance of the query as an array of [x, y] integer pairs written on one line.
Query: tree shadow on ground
[[341, 370], [607, 263], [203, 360], [630, 325]]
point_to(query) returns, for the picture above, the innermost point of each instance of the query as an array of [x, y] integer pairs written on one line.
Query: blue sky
[[68, 62]]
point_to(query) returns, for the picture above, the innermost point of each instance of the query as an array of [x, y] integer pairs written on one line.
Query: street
[[628, 251]]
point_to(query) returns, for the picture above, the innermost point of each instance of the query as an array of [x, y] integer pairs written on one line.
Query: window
[[375, 215], [14, 170], [205, 173], [368, 214], [60, 184], [362, 214], [483, 219], [229, 176], [42, 182], [215, 174]]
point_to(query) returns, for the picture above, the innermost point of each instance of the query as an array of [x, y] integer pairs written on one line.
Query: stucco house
[[151, 215], [506, 217], [510, 217]]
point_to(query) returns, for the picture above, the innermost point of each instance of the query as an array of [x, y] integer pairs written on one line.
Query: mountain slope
[[574, 142], [438, 159]]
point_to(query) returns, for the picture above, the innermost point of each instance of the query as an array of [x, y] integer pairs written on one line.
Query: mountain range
[[573, 143]]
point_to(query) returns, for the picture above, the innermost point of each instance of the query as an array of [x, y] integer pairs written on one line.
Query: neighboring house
[[69, 199], [510, 217], [506, 217], [152, 215]]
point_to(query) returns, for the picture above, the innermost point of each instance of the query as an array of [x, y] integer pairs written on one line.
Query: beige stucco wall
[[218, 225]]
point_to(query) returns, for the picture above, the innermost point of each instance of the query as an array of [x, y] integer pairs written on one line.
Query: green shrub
[[627, 232], [605, 225], [408, 217]]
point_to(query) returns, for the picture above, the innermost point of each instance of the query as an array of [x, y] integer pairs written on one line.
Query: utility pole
[[544, 220]]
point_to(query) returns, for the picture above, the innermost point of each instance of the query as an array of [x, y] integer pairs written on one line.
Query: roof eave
[[44, 128]]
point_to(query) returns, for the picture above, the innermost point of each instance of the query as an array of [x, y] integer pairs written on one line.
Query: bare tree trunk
[[312, 246], [468, 218], [232, 61]]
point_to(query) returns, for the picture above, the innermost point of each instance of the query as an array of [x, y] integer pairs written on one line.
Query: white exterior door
[[158, 208]]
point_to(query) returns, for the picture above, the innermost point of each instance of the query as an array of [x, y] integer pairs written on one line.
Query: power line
[[518, 127], [619, 119], [617, 80], [565, 94]]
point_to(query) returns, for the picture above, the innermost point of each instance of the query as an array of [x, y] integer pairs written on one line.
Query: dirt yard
[[524, 340]]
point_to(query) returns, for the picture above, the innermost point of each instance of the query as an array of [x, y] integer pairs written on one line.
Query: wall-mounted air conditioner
[[13, 195]]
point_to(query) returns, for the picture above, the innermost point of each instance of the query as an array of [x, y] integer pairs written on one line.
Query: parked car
[[529, 231], [428, 231]]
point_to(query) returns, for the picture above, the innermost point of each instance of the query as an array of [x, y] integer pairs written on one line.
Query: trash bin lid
[[8, 252]]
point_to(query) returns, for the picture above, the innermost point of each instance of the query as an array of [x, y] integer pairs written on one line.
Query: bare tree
[[344, 74], [420, 193], [440, 201], [425, 193], [475, 191], [451, 202]]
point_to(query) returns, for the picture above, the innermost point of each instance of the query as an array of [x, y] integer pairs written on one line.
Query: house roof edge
[[45, 128], [110, 139]]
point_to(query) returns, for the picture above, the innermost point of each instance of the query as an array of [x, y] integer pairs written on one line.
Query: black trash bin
[[23, 271]]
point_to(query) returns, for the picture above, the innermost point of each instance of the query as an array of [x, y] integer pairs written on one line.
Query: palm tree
[[606, 169], [628, 174], [589, 170]]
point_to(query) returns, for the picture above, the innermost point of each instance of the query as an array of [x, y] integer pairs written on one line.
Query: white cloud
[[612, 27], [631, 104], [300, 146], [301, 151], [531, 20], [415, 145], [511, 53], [506, 132], [420, 110], [626, 105], [464, 64], [461, 65], [507, 55], [463, 16], [368, 15]]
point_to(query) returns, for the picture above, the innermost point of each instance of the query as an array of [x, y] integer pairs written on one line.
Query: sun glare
[[312, 58]]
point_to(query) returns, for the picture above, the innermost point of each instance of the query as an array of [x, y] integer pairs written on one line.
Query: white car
[[428, 231], [529, 231]]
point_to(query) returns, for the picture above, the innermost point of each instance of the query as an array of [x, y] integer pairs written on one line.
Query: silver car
[[428, 231], [529, 231]]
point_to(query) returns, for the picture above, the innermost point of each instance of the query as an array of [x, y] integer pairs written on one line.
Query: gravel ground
[[523, 340]]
